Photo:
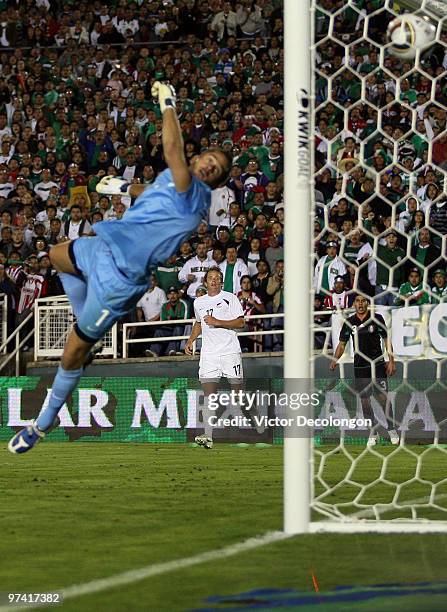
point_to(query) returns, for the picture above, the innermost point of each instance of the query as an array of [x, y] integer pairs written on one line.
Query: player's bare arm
[[172, 148], [338, 353], [172, 139], [231, 324], [391, 364], [195, 333]]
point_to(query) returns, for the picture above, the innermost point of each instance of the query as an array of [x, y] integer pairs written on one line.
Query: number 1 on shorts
[[104, 314]]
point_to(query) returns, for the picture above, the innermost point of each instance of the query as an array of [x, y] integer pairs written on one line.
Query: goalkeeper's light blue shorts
[[110, 293]]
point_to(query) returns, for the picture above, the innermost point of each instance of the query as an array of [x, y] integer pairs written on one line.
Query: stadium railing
[[53, 322], [255, 333], [20, 338], [149, 44], [3, 319]]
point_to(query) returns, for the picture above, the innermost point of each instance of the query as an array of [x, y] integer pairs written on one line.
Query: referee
[[371, 372]]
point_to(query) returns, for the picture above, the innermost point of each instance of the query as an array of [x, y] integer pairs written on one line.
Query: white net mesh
[[380, 159]]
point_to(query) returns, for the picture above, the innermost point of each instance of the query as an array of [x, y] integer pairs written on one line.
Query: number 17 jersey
[[224, 306]]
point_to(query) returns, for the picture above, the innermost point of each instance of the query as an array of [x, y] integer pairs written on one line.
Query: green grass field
[[76, 512]]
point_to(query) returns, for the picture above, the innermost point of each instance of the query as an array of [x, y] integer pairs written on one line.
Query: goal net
[[378, 157]]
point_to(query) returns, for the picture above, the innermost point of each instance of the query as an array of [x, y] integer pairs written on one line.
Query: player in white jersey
[[218, 315]]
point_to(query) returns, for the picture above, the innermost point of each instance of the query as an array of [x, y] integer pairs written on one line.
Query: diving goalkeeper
[[104, 276]]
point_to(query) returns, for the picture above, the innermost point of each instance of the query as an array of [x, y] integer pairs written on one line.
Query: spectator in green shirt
[[425, 252], [167, 273], [174, 309], [389, 256], [412, 292], [406, 91], [439, 288]]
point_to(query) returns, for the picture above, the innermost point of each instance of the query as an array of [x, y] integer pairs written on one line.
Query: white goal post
[[308, 492], [297, 253]]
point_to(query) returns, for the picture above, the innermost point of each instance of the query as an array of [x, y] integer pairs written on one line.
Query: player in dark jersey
[[371, 371]]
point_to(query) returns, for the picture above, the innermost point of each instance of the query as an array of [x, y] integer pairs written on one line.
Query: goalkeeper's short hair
[[222, 178]]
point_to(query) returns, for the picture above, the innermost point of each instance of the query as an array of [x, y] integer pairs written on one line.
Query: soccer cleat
[[372, 440], [204, 441], [394, 437], [95, 350], [25, 439]]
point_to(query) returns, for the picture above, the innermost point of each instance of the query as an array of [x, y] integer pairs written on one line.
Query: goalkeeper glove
[[165, 94], [110, 185]]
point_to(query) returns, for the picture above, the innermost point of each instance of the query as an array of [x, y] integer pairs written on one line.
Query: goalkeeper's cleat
[[25, 439], [111, 185], [165, 94], [372, 440], [394, 437], [95, 350], [204, 441]]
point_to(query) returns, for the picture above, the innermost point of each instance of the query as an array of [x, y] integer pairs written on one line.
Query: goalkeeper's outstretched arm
[[173, 148]]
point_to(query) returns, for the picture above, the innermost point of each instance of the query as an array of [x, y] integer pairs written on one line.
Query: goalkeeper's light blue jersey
[[155, 226]]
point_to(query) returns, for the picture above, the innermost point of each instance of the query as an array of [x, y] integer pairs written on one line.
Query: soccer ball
[[407, 33]]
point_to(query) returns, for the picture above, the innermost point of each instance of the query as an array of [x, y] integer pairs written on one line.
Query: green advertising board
[[161, 409], [114, 409]]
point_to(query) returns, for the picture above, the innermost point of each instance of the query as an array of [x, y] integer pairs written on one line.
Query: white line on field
[[103, 584], [156, 569]]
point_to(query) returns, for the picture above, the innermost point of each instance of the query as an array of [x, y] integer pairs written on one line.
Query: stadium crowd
[[75, 105], [380, 156]]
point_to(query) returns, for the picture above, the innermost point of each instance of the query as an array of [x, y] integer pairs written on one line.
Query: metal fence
[[3, 319], [255, 334], [53, 322], [54, 319]]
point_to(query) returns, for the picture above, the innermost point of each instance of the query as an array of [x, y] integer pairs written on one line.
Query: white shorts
[[214, 367]]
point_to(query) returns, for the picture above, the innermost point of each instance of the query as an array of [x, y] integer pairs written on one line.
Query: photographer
[[172, 310]]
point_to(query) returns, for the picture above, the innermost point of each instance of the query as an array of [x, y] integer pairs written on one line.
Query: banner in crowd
[[419, 331], [125, 409]]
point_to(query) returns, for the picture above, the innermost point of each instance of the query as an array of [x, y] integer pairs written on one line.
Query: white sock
[[206, 414]]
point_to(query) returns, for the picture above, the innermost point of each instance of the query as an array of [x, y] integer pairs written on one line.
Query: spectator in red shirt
[[338, 298], [33, 288], [262, 230]]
